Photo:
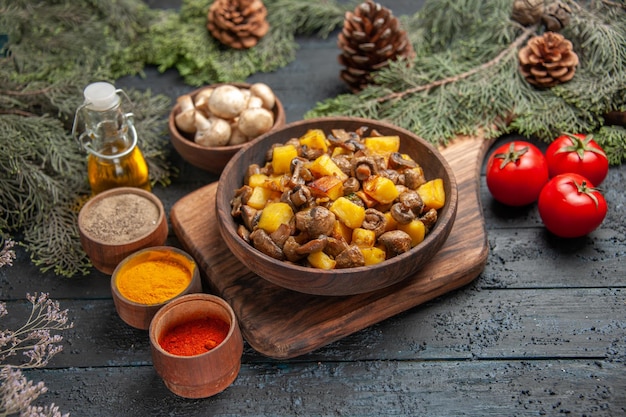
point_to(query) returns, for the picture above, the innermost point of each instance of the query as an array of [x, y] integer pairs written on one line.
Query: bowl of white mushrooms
[[209, 125]]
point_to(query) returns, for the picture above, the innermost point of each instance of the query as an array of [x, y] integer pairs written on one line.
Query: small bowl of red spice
[[150, 278], [196, 345], [119, 222]]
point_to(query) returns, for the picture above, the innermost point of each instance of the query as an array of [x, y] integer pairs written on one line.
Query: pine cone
[[548, 60], [556, 16], [370, 39], [239, 24], [527, 12]]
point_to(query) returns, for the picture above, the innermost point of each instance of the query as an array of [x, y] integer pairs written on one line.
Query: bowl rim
[[448, 213], [118, 191], [176, 135], [195, 275], [196, 298]]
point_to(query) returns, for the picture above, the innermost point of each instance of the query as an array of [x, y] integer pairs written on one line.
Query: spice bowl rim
[[202, 297], [119, 191], [195, 275], [336, 282]]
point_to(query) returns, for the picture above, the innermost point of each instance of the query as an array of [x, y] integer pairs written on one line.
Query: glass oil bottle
[[110, 139]]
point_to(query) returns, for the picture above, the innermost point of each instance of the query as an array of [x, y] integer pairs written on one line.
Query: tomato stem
[[511, 155], [580, 146]]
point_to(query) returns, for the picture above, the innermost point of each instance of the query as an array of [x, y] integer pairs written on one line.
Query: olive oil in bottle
[[110, 139]]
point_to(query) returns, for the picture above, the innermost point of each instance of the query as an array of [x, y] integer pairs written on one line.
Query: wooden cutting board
[[281, 323]]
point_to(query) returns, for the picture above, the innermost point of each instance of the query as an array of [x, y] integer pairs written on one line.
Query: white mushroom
[[201, 100], [185, 119], [254, 102], [236, 137], [212, 132], [226, 101], [254, 122], [266, 94]]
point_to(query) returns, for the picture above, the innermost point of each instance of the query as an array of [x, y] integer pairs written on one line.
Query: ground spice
[[153, 281], [195, 336], [120, 218]]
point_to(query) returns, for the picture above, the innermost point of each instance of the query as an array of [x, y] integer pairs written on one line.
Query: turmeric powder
[[153, 281]]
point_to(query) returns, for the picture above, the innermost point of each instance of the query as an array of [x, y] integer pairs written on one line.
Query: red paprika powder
[[195, 336]]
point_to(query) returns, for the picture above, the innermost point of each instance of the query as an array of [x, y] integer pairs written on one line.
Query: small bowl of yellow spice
[[150, 278]]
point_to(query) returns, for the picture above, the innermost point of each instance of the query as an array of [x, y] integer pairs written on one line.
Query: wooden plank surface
[[281, 323]]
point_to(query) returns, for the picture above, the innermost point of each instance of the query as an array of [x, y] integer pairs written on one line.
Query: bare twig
[[449, 80]]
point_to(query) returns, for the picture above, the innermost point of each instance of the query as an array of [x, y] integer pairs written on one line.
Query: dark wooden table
[[541, 331]]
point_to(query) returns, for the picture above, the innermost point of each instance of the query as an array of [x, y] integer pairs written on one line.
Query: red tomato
[[570, 206], [516, 172], [580, 154]]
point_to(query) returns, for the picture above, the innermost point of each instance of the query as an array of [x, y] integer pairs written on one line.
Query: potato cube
[[257, 180], [275, 214], [282, 157], [314, 139], [342, 232], [433, 194], [321, 260], [373, 255], [349, 213], [391, 224], [380, 189], [382, 145], [259, 197], [324, 165], [415, 229], [363, 237], [327, 186]]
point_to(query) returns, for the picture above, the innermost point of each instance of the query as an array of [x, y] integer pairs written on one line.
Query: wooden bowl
[[347, 281], [138, 312], [202, 375], [119, 222], [211, 159]]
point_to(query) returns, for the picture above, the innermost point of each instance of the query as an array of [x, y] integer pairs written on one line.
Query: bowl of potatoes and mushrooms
[[209, 125], [336, 206]]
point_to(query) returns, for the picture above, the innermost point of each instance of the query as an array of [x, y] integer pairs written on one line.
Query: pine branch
[[483, 67]]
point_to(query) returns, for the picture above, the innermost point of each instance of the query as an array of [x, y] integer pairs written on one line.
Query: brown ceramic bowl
[[211, 159], [142, 224], [337, 281], [139, 313], [205, 374]]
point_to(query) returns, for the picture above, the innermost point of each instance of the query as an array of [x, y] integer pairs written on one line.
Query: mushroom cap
[[227, 101], [265, 93], [256, 121]]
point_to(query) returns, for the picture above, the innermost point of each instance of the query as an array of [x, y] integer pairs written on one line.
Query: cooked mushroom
[[364, 167], [249, 217], [350, 258], [397, 161], [280, 235], [351, 185], [375, 220], [396, 242], [335, 246], [263, 242], [413, 178], [299, 195], [412, 200], [429, 218], [316, 221], [402, 213]]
